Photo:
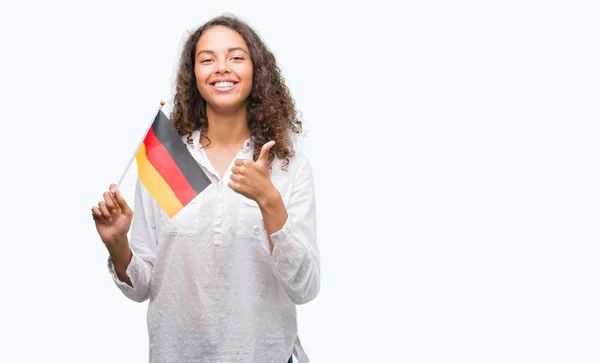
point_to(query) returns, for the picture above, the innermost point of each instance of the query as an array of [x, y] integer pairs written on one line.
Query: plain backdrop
[[455, 148]]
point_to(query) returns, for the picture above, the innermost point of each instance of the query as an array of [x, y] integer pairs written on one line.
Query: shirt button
[[275, 238], [256, 229]]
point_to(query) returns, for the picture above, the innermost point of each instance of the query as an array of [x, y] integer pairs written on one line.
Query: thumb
[[120, 200], [264, 152]]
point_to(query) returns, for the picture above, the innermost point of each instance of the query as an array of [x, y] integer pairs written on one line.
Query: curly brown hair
[[271, 109]]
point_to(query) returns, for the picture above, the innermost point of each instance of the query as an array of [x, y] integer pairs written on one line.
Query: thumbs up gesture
[[251, 178]]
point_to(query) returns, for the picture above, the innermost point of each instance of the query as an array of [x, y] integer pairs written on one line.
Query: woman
[[224, 275]]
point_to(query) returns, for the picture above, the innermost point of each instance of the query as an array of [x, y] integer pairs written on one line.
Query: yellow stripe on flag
[[156, 185]]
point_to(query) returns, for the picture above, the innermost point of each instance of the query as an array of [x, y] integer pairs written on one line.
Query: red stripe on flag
[[165, 165]]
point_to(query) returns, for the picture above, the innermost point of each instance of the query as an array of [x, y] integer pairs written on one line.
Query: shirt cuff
[[286, 246], [113, 273]]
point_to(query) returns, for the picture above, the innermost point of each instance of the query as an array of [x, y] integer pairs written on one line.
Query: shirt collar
[[248, 147]]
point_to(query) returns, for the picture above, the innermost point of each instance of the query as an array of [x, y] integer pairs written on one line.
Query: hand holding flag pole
[[166, 169]]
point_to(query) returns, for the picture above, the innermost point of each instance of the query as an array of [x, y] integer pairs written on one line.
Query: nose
[[222, 66]]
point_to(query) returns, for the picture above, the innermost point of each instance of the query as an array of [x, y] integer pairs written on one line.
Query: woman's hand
[[113, 219], [251, 178]]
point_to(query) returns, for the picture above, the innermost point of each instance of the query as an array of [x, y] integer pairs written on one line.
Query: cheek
[[201, 75], [247, 76], [201, 78]]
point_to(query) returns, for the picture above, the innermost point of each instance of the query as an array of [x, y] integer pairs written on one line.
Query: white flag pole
[[162, 103]]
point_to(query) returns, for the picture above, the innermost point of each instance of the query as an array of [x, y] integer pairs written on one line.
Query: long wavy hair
[[271, 109]]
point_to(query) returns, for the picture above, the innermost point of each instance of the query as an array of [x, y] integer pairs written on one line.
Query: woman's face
[[223, 69]]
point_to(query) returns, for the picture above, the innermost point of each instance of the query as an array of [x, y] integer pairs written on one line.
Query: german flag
[[166, 168]]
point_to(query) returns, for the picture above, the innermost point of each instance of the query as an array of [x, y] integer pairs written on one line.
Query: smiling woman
[[223, 69], [224, 275], [233, 51]]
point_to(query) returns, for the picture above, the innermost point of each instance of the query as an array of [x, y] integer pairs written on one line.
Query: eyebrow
[[228, 50]]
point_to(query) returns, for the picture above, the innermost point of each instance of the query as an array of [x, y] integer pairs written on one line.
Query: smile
[[223, 86]]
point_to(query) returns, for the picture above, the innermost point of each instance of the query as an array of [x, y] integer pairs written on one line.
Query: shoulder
[[296, 163]]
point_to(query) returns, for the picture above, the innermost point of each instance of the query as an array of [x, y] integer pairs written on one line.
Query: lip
[[221, 89]]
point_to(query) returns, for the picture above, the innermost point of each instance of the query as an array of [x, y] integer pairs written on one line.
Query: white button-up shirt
[[216, 293]]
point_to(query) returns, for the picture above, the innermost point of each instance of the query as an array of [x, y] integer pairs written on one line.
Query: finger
[[234, 186], [238, 169], [240, 179], [96, 212], [234, 177], [123, 203], [240, 162], [113, 188], [264, 152], [108, 199], [104, 210]]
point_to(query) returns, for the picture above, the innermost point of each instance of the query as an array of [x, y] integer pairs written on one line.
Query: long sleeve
[[143, 245], [296, 258]]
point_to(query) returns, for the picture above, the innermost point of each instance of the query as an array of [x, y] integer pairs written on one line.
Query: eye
[[207, 60], [237, 58]]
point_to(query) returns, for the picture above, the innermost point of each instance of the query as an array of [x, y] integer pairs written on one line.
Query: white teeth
[[223, 84]]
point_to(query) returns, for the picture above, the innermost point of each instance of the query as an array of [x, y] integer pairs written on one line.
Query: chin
[[226, 107]]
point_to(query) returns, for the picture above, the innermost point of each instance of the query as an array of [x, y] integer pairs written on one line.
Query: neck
[[227, 129]]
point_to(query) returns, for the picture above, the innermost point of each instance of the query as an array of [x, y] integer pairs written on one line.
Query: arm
[[293, 237], [131, 267]]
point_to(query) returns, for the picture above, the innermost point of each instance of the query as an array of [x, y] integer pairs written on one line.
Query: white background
[[455, 148]]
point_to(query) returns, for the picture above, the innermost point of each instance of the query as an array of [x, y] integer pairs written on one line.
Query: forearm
[[295, 258], [273, 212], [120, 255], [131, 260], [296, 262]]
